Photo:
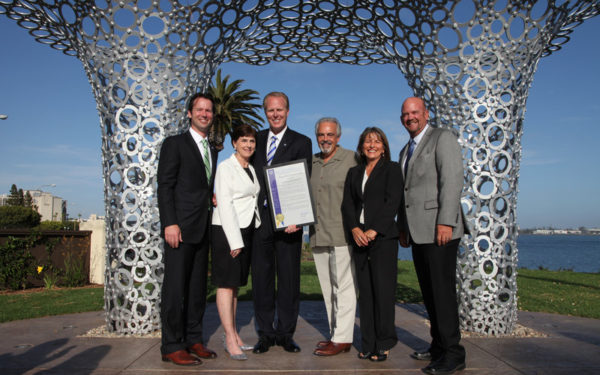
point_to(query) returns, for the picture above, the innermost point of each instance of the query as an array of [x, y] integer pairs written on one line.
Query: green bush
[[75, 274], [12, 217], [59, 225], [16, 262]]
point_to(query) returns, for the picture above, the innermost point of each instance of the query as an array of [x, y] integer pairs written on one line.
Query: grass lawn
[[38, 302], [561, 292]]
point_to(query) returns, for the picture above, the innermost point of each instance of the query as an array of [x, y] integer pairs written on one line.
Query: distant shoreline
[[558, 232]]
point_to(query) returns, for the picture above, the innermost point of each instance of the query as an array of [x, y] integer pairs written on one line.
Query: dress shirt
[[278, 136], [416, 139], [198, 139], [327, 184]]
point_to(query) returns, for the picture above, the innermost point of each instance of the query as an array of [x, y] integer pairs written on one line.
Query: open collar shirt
[[327, 184]]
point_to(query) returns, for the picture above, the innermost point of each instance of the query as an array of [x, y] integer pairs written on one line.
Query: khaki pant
[[335, 269]]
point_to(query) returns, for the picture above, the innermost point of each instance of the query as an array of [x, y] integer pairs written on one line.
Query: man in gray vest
[[332, 254]]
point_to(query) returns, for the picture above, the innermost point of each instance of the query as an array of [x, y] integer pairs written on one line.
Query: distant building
[[50, 207], [557, 231]]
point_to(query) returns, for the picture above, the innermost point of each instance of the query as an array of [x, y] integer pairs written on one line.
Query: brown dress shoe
[[322, 344], [333, 349], [201, 351], [181, 358]]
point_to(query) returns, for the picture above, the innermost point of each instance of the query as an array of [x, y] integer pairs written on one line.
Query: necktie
[[206, 158], [411, 148], [272, 148]]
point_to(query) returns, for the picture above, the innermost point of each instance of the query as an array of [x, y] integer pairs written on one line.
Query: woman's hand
[[371, 234], [235, 252]]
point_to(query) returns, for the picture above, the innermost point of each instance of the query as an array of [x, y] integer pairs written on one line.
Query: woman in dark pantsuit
[[372, 194], [233, 223]]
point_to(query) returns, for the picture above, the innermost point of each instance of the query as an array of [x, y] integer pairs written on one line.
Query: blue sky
[[52, 134]]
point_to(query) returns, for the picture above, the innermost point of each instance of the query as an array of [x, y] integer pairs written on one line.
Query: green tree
[[21, 198], [13, 198], [18, 217], [233, 107], [28, 200]]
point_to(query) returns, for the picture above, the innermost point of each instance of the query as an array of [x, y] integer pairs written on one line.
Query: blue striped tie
[[272, 148], [411, 148]]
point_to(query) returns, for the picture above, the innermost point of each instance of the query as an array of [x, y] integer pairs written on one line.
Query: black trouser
[[376, 275], [436, 271], [276, 253], [183, 298]]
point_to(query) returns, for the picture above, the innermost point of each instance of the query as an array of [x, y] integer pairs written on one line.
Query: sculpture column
[[478, 87]]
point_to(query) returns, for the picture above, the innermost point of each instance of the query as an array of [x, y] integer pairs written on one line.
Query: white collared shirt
[[279, 138], [198, 139], [416, 139]]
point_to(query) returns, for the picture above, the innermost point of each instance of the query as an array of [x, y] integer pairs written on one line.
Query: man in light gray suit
[[430, 220]]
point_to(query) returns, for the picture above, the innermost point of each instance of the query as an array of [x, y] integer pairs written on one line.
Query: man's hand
[[235, 252], [359, 237], [214, 200], [403, 238], [292, 229], [443, 235], [173, 235]]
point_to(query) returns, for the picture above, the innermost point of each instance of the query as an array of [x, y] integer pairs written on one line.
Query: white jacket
[[237, 199]]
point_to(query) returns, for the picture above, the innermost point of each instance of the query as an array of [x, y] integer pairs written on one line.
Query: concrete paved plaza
[[53, 345]]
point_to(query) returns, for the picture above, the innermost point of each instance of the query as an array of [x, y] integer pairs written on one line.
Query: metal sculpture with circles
[[472, 61]]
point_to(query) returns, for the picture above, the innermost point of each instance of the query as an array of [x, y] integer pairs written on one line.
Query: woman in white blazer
[[233, 223]]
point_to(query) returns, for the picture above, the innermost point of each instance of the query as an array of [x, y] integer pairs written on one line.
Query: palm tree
[[232, 108]]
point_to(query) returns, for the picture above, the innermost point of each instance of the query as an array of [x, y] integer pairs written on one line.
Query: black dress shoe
[[289, 345], [422, 356], [443, 368], [262, 346]]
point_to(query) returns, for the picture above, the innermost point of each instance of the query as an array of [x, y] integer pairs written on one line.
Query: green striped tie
[[206, 158]]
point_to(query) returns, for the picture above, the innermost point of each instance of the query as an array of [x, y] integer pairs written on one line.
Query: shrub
[[59, 225], [16, 262], [75, 274], [12, 217]]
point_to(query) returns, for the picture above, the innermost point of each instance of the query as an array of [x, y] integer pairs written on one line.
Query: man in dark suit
[[276, 253], [185, 188], [431, 220]]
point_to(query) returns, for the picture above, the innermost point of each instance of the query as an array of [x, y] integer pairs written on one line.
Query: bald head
[[414, 116]]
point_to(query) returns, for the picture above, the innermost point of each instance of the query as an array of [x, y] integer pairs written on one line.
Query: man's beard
[[326, 148]]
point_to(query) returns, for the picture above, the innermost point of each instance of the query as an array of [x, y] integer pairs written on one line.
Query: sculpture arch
[[472, 61]]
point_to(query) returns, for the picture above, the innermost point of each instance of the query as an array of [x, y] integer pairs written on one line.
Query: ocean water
[[557, 252]]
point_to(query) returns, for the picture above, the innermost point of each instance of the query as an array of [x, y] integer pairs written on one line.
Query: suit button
[[407, 206], [405, 189]]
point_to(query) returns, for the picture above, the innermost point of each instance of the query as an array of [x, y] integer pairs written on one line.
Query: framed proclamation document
[[290, 197]]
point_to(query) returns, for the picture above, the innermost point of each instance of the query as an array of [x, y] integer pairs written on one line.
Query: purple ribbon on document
[[275, 193]]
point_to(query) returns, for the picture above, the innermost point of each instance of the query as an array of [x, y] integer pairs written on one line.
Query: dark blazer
[[381, 198], [184, 194], [293, 146]]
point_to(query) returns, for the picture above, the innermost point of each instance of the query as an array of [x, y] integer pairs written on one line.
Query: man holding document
[[276, 252]]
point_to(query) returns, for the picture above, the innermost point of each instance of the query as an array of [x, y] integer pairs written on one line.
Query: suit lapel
[[358, 181], [194, 147], [283, 145], [374, 173], [417, 153], [260, 155], [196, 152]]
